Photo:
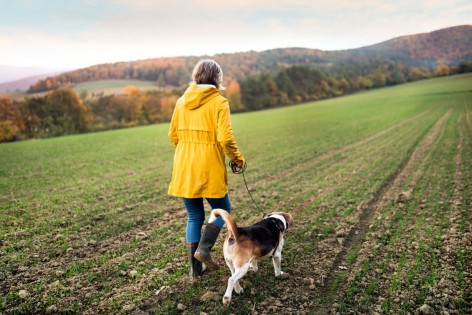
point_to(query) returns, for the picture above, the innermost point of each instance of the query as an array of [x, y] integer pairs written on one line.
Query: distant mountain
[[448, 46], [8, 73], [22, 84]]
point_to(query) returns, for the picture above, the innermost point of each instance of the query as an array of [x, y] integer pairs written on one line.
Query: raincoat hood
[[196, 96]]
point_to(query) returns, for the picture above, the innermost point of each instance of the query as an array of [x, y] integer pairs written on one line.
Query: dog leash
[[240, 170]]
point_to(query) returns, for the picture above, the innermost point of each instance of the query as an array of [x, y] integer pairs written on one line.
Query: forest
[[65, 112]]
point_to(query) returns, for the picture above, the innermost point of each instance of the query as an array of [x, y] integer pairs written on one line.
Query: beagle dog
[[245, 246]]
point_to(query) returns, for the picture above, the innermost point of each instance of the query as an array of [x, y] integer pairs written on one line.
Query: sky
[[70, 34]]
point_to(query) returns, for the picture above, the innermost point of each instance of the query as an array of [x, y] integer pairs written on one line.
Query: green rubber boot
[[195, 266], [210, 234]]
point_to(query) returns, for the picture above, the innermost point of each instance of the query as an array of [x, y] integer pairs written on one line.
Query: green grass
[[106, 86], [71, 207], [423, 262], [112, 86]]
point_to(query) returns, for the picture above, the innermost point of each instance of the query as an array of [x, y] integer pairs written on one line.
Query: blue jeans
[[196, 215]]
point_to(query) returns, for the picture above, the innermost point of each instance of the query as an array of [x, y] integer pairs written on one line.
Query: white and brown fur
[[245, 246]]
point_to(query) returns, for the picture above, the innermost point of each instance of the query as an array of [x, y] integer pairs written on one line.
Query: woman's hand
[[238, 167]]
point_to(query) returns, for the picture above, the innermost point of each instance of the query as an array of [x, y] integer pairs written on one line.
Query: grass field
[[379, 185], [108, 87]]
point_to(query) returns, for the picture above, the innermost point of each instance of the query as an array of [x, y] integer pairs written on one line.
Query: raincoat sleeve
[[173, 137], [225, 135]]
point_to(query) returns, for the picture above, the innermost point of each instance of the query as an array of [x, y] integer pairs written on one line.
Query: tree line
[[298, 84], [176, 71], [64, 112]]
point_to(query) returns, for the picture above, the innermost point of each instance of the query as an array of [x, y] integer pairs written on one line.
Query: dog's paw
[[254, 267], [238, 289], [282, 275], [226, 300]]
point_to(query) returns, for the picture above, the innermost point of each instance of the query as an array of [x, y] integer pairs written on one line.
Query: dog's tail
[[231, 225]]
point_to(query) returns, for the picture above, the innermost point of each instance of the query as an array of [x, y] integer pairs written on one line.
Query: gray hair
[[208, 71]]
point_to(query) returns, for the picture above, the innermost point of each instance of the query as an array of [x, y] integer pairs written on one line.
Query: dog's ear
[[288, 219]]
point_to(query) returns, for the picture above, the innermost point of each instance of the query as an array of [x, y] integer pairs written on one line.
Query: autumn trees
[[58, 113], [170, 71], [292, 85], [132, 108], [11, 122], [63, 112]]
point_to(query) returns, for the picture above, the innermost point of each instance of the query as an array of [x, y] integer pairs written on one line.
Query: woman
[[201, 133]]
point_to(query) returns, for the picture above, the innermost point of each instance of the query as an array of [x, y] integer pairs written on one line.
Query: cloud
[[80, 33]]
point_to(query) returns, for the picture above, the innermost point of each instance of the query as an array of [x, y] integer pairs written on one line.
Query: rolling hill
[[450, 46], [447, 46], [22, 84], [9, 74]]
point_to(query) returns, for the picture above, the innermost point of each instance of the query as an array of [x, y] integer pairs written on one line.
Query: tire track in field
[[332, 171], [330, 247], [389, 190], [323, 259], [467, 235], [387, 273], [438, 262], [468, 126], [328, 155], [343, 176], [345, 148], [454, 239]]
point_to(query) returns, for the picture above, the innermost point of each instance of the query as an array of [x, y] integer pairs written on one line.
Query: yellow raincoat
[[201, 133]]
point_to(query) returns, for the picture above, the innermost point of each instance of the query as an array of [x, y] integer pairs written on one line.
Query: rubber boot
[[210, 234], [195, 266]]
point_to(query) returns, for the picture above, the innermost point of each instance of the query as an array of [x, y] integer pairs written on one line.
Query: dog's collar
[[276, 218]]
